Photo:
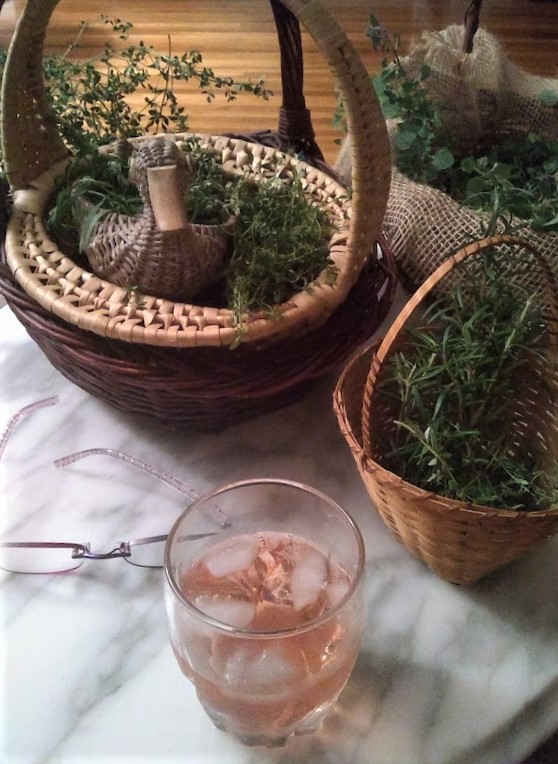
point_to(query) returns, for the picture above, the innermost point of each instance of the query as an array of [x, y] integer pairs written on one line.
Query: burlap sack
[[484, 95]]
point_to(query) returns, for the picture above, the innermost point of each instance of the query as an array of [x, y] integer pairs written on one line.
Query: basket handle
[[426, 287], [471, 24], [295, 122], [295, 131], [32, 144]]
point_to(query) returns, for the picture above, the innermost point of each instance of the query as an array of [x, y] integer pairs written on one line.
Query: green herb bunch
[[280, 240], [91, 97], [281, 244], [421, 152], [210, 192], [517, 178], [514, 179], [102, 181], [452, 391]]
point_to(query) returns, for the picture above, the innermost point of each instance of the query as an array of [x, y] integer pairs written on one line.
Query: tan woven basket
[[459, 542], [35, 155]]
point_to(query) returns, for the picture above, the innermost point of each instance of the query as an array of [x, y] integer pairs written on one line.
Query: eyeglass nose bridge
[[84, 552]]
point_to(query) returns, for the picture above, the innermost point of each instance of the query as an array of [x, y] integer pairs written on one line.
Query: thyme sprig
[[91, 97], [281, 244], [513, 179]]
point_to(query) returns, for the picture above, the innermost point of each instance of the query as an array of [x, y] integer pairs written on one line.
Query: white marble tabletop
[[446, 675]]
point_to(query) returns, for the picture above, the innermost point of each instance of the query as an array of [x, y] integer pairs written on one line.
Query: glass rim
[[251, 633]]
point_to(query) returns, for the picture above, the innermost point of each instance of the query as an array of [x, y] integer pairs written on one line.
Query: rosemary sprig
[[452, 388]]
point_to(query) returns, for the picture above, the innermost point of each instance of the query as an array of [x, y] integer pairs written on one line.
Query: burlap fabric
[[484, 95]]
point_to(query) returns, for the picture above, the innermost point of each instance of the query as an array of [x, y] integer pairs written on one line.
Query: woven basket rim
[[79, 296], [206, 388]]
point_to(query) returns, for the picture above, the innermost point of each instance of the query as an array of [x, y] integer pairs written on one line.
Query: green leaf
[[390, 110], [404, 139], [548, 97], [477, 186], [502, 171], [425, 71], [468, 165], [443, 159]]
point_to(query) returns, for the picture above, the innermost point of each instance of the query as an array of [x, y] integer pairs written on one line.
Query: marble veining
[[446, 675]]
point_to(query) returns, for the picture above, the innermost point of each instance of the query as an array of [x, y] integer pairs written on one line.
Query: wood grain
[[237, 37]]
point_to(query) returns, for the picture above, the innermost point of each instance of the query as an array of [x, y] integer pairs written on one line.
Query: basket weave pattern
[[80, 297], [460, 542], [204, 388], [158, 249]]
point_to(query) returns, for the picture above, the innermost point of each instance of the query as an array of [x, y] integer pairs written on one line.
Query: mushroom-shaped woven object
[[159, 251]]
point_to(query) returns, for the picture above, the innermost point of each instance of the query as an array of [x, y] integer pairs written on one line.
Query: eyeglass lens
[[58, 557], [38, 559]]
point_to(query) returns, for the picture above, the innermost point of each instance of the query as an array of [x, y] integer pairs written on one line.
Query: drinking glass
[[264, 596]]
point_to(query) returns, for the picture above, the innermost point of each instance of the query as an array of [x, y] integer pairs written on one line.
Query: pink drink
[[284, 661]]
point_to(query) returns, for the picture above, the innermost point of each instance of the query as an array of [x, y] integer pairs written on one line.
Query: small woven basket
[[460, 542], [169, 359]]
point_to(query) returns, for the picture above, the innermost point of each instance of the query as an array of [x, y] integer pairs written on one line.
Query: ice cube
[[230, 559], [257, 666], [233, 612], [308, 578], [336, 590]]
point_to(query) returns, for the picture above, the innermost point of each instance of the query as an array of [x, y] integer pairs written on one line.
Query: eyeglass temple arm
[[13, 421], [178, 485], [153, 471]]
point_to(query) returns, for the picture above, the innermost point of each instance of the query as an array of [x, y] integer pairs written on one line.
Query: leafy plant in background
[[421, 152], [518, 176], [452, 389], [514, 180]]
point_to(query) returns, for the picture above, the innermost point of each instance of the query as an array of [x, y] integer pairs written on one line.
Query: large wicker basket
[[459, 542], [162, 340]]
